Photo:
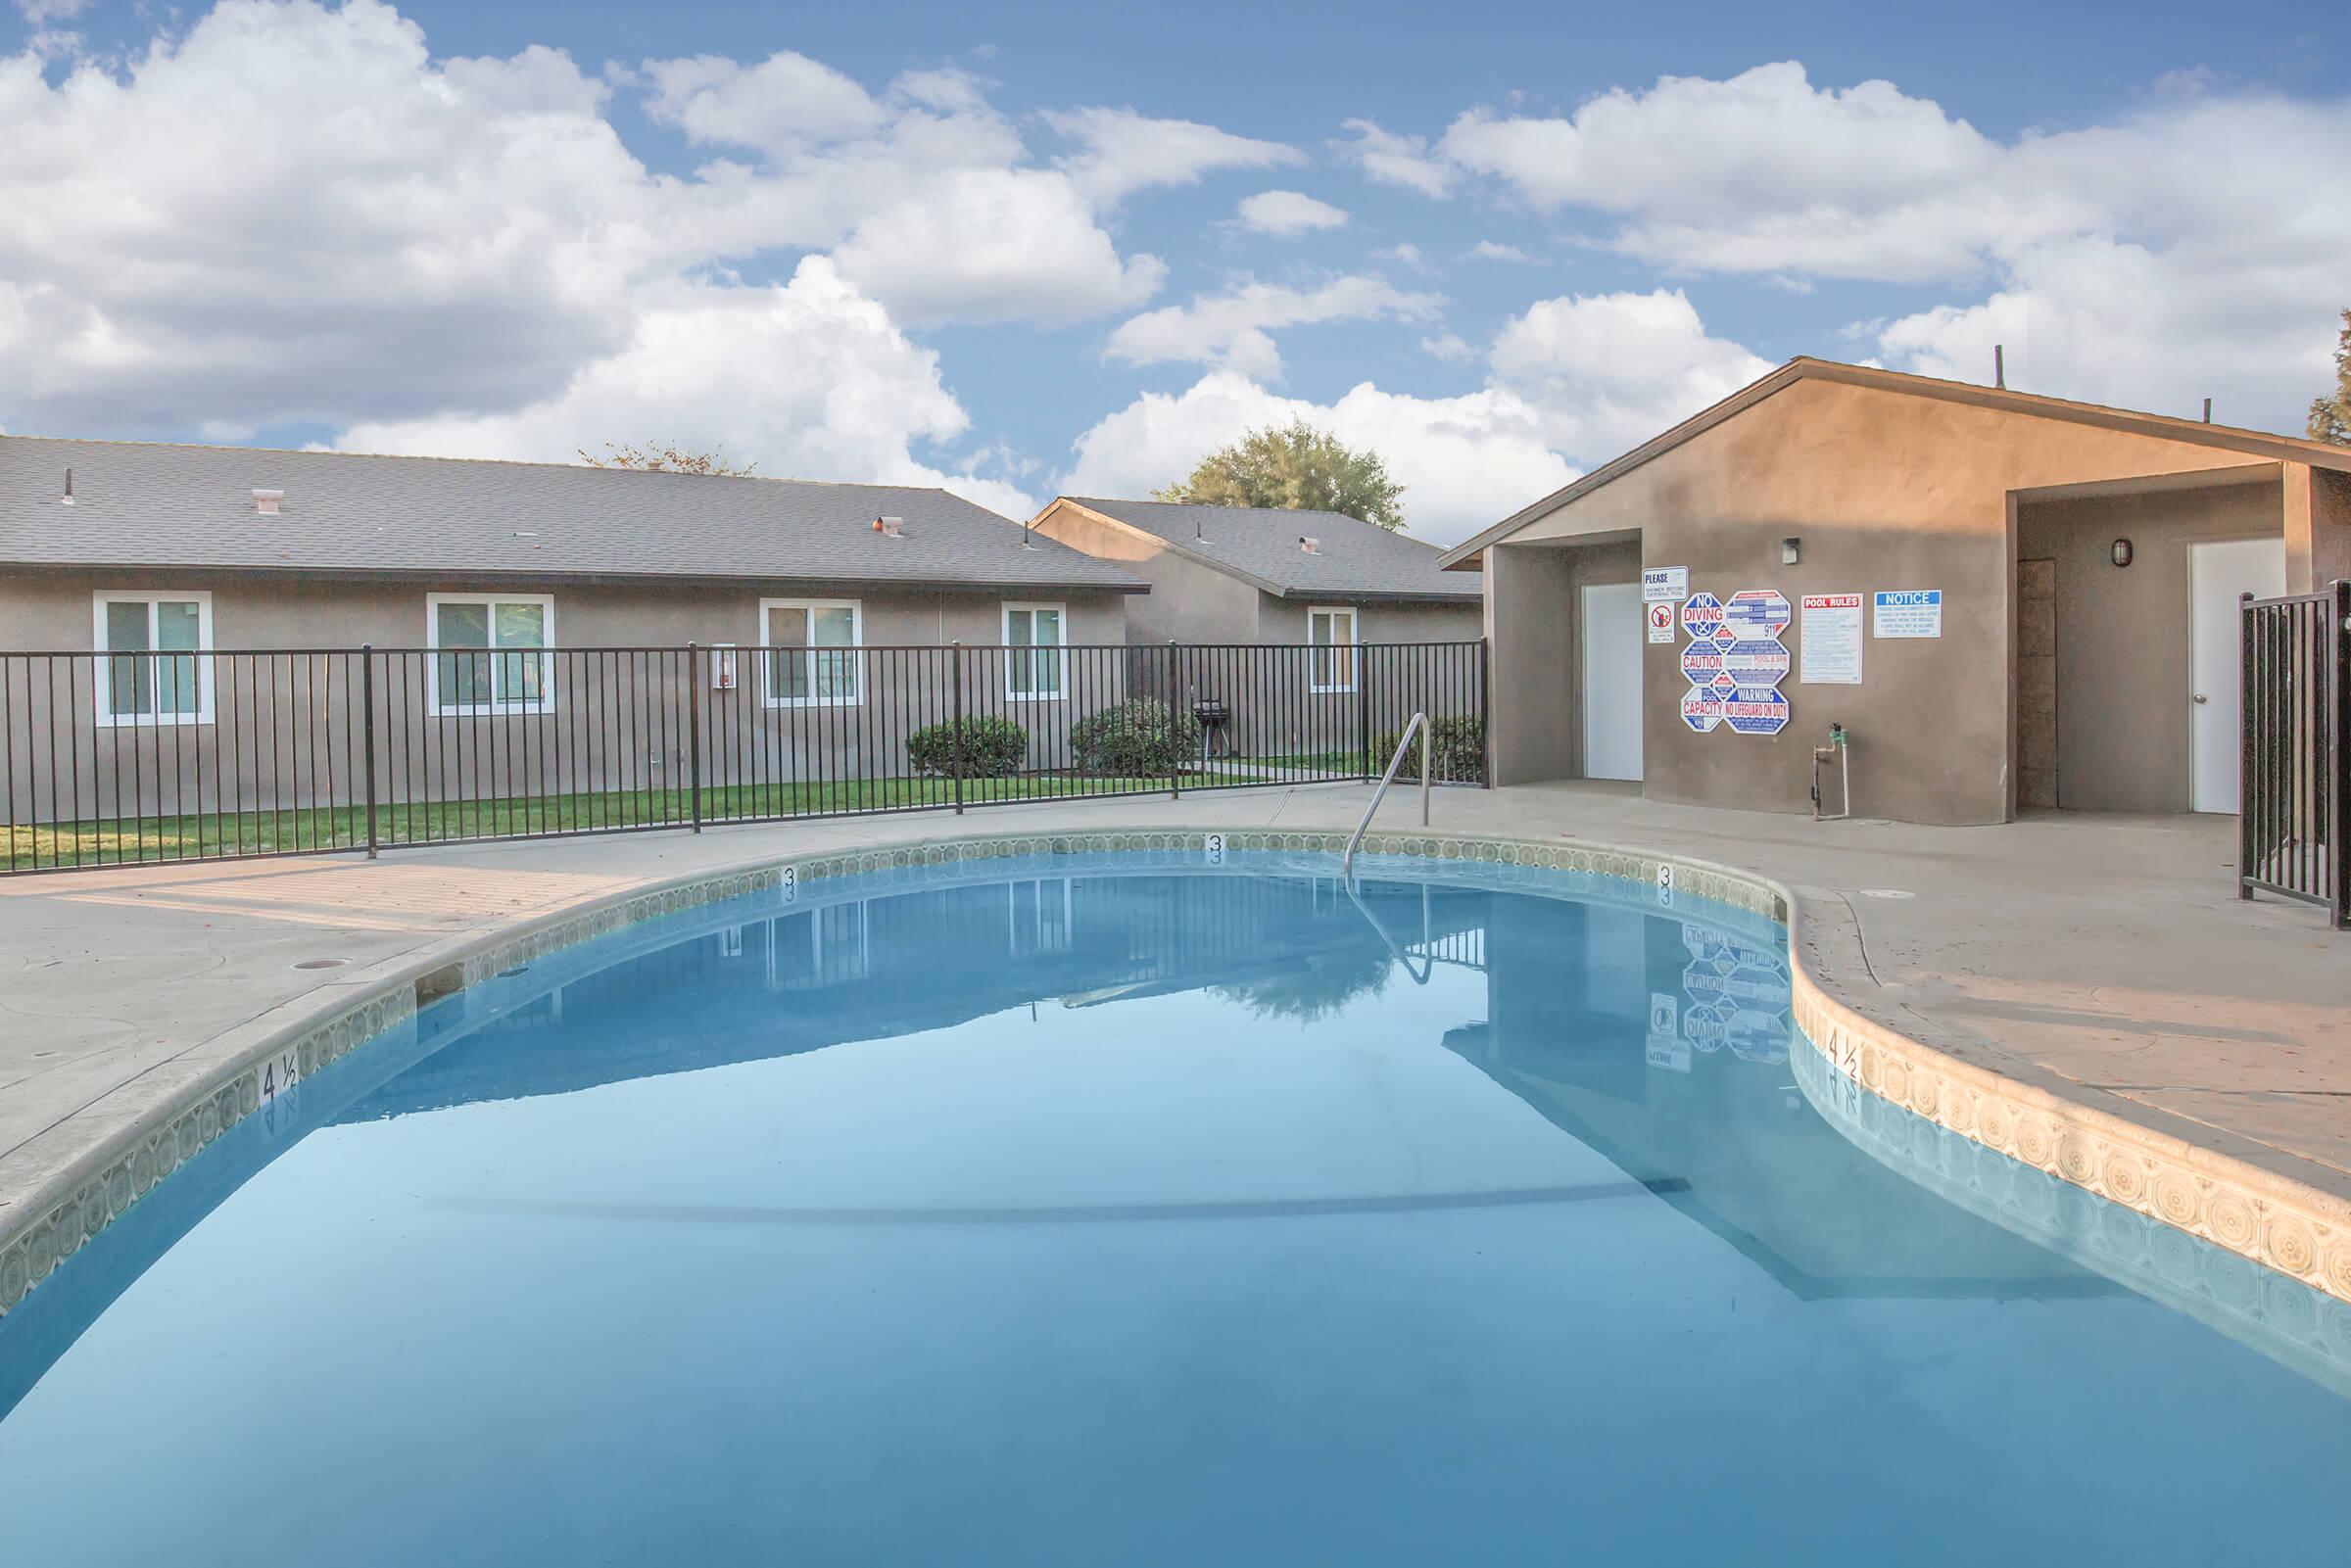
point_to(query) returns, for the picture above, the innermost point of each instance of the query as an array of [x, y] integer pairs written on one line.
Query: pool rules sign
[[1735, 661]]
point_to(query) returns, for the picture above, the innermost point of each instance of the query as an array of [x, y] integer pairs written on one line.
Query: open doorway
[[2126, 643]]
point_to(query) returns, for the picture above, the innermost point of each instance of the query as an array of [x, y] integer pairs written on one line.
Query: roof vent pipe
[[2208, 411], [266, 501], [67, 499], [1999, 366]]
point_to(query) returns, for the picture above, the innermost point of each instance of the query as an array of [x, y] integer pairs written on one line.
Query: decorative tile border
[[2275, 1223], [2278, 1316], [2263, 1218]]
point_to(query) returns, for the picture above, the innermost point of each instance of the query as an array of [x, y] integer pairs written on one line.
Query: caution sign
[[1735, 661]]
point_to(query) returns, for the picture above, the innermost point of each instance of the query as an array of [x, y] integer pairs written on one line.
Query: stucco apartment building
[[1256, 574], [2008, 600], [1379, 629], [496, 572]]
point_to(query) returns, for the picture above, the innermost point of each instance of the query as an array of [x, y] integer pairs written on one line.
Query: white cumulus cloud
[[810, 378], [1235, 329], [1464, 461], [1608, 371], [1394, 159], [1289, 212], [1121, 152]]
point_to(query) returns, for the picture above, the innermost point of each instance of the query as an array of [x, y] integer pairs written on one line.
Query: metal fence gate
[[2298, 706]]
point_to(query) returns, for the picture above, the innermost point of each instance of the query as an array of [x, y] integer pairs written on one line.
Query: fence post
[[2338, 748], [955, 751], [1174, 763], [2249, 777], [1363, 698], [367, 719], [694, 729], [1485, 731]]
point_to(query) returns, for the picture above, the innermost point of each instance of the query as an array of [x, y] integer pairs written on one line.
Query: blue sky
[[1069, 247]]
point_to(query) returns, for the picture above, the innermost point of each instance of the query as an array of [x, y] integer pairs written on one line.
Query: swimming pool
[[1078, 1210]]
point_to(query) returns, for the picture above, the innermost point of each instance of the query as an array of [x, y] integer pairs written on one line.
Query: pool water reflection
[[1119, 1216]]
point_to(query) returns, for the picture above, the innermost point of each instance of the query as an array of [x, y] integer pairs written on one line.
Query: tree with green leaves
[[1295, 467], [2330, 417], [665, 458]]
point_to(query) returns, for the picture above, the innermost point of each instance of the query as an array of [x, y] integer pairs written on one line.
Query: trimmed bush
[[1459, 757], [1141, 735], [992, 748]]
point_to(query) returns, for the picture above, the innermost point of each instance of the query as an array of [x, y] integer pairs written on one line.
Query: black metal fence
[[119, 758], [2297, 708]]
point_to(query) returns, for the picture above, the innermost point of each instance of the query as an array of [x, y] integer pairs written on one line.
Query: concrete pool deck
[[2105, 960]]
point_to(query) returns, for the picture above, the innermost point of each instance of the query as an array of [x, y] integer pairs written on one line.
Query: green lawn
[[125, 840], [1349, 762]]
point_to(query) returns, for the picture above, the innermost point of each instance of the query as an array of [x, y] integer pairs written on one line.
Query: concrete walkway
[[2103, 956]]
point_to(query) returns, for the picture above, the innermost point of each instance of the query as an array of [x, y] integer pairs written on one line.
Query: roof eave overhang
[[2258, 444], [522, 574]]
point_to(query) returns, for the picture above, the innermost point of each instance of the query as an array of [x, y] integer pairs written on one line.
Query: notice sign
[[1669, 585], [1660, 622], [1909, 612], [1831, 632]]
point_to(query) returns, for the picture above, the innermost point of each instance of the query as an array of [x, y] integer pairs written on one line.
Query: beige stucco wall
[[283, 724], [2123, 649], [52, 611], [1538, 730], [1283, 620], [1193, 602], [1188, 602], [1886, 490]]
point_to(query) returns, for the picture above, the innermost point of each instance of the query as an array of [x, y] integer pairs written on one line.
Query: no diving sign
[[1660, 622]]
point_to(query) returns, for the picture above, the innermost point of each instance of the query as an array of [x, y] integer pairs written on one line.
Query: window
[[1035, 635], [490, 653], [807, 665], [157, 672], [1041, 915], [1330, 634], [818, 947]]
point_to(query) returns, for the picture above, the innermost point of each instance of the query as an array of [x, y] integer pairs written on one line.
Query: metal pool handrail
[[1419, 723]]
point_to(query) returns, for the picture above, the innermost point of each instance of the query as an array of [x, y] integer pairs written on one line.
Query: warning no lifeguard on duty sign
[[1735, 661]]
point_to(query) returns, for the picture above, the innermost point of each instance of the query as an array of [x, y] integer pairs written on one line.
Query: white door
[[2217, 574], [1612, 635]]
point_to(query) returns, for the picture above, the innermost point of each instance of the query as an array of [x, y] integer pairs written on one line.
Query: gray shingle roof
[[139, 503], [1352, 560]]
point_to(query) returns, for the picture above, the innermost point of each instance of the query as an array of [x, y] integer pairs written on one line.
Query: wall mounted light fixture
[[1791, 551], [2119, 552]]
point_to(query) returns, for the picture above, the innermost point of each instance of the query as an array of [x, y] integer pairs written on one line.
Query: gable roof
[[1258, 544], [2193, 432], [180, 508]]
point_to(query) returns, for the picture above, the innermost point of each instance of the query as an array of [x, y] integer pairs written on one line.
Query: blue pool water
[[1096, 1213]]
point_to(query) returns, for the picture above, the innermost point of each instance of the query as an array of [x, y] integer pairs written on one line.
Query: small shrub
[[992, 748], [1141, 735], [1459, 757]]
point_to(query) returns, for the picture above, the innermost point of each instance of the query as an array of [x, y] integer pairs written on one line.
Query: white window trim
[[1004, 634], [767, 651], [1353, 644], [102, 684], [1030, 942], [545, 701]]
